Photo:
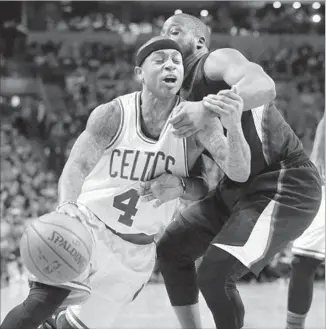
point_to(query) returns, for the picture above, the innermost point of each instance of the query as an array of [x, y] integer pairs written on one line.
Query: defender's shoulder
[[223, 54], [223, 57]]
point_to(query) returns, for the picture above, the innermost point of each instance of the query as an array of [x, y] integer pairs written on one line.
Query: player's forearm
[[255, 87], [196, 188], [70, 182], [238, 159], [231, 153]]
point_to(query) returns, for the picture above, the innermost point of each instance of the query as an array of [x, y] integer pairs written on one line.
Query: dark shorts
[[255, 221]]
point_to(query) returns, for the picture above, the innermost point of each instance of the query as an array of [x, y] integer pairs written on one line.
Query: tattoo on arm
[[101, 127], [231, 153], [239, 156], [214, 141]]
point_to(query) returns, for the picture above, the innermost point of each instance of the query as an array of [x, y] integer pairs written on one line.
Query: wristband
[[183, 185], [64, 203]]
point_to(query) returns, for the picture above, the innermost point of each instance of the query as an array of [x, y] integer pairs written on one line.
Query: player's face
[[162, 72], [176, 29]]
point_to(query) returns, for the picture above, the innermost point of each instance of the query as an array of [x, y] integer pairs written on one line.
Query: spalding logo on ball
[[56, 248]]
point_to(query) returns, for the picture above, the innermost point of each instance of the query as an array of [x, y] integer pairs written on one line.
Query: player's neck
[[154, 113], [158, 109]]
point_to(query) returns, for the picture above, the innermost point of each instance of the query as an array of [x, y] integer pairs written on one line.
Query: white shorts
[[117, 272], [312, 242]]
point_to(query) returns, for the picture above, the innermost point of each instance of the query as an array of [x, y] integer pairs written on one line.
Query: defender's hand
[[228, 105], [73, 211], [162, 189], [190, 117]]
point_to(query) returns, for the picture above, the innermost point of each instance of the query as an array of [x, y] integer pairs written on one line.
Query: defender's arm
[[254, 86]]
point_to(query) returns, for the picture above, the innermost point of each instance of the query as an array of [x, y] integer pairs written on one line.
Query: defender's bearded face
[[178, 30]]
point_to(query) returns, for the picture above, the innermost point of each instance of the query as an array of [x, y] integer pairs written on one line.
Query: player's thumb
[[157, 203], [234, 89]]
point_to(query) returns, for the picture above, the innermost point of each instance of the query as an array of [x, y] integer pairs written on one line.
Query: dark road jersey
[[269, 136]]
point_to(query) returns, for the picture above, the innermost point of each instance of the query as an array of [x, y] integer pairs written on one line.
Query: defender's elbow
[[240, 176], [271, 88], [269, 85], [243, 178], [265, 81]]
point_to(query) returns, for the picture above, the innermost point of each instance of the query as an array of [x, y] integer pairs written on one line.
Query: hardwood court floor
[[265, 307]]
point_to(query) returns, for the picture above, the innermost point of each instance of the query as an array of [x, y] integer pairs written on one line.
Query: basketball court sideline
[[265, 307]]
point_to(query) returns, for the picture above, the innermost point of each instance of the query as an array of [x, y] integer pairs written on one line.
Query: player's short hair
[[198, 27]]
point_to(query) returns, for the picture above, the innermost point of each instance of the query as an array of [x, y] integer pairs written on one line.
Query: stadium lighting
[[316, 18], [277, 4], [15, 101], [204, 13], [67, 9], [177, 12], [316, 5], [296, 5], [234, 30]]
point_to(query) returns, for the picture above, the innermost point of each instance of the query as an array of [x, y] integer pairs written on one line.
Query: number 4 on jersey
[[126, 202]]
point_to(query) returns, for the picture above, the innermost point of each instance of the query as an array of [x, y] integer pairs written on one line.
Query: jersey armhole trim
[[122, 119], [186, 156], [264, 138]]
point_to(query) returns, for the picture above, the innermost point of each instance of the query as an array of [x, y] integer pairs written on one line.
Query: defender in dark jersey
[[222, 68], [241, 226]]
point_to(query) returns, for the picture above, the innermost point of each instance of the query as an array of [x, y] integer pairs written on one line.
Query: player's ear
[[138, 74], [200, 42]]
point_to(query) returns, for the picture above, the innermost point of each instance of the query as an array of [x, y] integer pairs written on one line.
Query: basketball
[[56, 248]]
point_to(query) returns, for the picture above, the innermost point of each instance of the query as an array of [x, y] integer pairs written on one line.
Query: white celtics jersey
[[110, 190]]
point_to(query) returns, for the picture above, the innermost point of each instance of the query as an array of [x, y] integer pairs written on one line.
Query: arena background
[[61, 59]]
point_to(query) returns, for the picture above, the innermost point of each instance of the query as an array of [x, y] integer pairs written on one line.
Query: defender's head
[[159, 67], [188, 31]]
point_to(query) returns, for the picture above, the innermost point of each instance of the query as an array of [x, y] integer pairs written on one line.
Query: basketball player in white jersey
[[309, 249], [123, 178]]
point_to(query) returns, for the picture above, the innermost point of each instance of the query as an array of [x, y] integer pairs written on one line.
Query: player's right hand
[[163, 188], [73, 211]]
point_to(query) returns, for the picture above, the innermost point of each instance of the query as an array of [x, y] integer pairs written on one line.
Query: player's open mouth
[[170, 80]]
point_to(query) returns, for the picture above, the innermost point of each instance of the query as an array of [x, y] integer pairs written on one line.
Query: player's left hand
[[162, 189], [228, 105], [190, 117]]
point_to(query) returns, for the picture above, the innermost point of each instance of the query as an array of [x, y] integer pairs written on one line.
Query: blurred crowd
[[38, 131], [28, 189], [92, 73], [222, 17], [96, 72]]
